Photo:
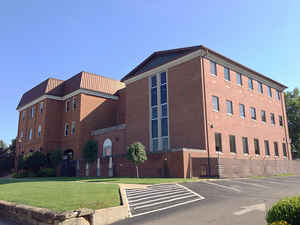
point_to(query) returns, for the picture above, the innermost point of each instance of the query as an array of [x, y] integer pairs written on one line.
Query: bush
[[90, 151], [35, 161], [280, 223], [55, 158], [21, 174], [47, 172], [287, 209]]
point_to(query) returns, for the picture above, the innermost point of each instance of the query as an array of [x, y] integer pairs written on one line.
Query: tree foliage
[[55, 158], [292, 101], [7, 157], [3, 145], [35, 161], [137, 154], [90, 151]]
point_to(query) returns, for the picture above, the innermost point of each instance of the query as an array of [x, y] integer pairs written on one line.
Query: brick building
[[197, 112]]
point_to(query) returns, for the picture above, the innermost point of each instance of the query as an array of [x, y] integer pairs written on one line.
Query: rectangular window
[[218, 142], [30, 134], [280, 121], [253, 113], [276, 148], [267, 147], [229, 107], [242, 111], [239, 79], [66, 129], [215, 103], [213, 68], [284, 149], [39, 130], [272, 118], [263, 116], [22, 134], [232, 143], [23, 114], [41, 107], [226, 74], [256, 146], [68, 106], [74, 103], [73, 128], [277, 95], [250, 83], [260, 87], [270, 91], [245, 145], [32, 112]]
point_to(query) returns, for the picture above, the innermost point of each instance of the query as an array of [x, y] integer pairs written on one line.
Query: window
[[73, 128], [30, 134], [276, 148], [66, 129], [253, 113], [280, 121], [107, 147], [229, 107], [226, 74], [245, 145], [41, 107], [215, 103], [23, 114], [68, 106], [270, 91], [39, 130], [239, 79], [74, 103], [256, 146], [260, 87], [32, 112], [218, 142], [232, 143], [250, 83], [277, 95], [22, 134], [213, 68], [242, 111], [284, 149], [159, 112], [263, 116], [267, 147], [272, 118]]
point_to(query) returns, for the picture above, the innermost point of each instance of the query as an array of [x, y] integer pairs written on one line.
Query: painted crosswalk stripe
[[149, 193], [157, 195]]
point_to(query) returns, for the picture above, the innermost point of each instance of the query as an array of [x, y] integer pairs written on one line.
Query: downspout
[[205, 111]]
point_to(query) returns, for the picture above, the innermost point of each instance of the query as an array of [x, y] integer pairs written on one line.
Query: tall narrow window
[[280, 121], [276, 148], [39, 130], [74, 103], [253, 113], [256, 146], [41, 107], [263, 116], [23, 114], [30, 134], [272, 118], [66, 129], [22, 134], [284, 149], [226, 74], [267, 147], [250, 83], [67, 105], [260, 87], [73, 128], [159, 112], [232, 143], [277, 95], [213, 68], [242, 111], [215, 103], [245, 145], [270, 91], [218, 142], [239, 79], [229, 107], [32, 112]]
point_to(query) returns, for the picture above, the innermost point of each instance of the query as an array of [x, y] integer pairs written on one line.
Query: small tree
[[35, 161], [55, 158], [90, 151], [136, 154]]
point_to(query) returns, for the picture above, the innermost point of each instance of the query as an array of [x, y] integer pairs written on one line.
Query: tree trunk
[[137, 171]]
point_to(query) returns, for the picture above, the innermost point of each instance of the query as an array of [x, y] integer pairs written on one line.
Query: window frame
[[66, 133], [278, 95], [41, 107], [213, 65], [276, 149], [230, 105], [232, 143], [74, 103], [272, 118], [254, 110], [239, 79], [267, 147], [263, 116], [256, 146], [227, 74], [217, 102], [245, 145], [243, 108], [260, 87], [270, 92], [284, 149], [73, 129], [218, 135], [250, 84], [68, 105], [280, 118], [39, 130]]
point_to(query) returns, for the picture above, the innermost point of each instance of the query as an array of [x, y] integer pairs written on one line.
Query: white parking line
[[150, 189], [248, 183], [266, 181], [150, 193], [190, 191], [222, 186], [158, 195]]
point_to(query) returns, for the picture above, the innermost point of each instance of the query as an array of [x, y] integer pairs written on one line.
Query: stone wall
[[28, 215]]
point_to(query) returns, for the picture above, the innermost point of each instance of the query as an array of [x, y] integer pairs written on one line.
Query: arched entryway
[[68, 168]]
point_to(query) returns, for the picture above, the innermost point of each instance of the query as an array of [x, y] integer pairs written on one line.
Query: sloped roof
[[60, 88]]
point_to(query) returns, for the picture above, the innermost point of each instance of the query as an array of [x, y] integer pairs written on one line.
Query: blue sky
[[59, 38]]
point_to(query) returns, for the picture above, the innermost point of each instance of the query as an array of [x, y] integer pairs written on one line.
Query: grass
[[276, 175]]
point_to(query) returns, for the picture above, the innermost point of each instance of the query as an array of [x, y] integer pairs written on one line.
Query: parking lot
[[223, 202]]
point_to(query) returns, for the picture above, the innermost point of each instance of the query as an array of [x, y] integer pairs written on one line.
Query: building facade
[[198, 113]]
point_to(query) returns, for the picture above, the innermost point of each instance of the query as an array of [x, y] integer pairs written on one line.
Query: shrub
[[55, 158], [90, 151], [280, 223], [47, 172], [21, 174], [287, 209], [35, 161]]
